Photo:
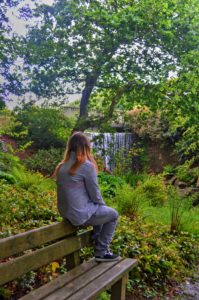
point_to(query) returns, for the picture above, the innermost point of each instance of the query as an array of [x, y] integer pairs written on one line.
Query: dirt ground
[[190, 291]]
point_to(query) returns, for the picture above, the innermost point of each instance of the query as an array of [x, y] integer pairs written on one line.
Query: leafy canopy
[[87, 45]]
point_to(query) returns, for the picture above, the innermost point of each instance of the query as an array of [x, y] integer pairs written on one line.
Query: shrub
[[25, 209], [168, 171], [188, 144], [7, 177], [186, 173], [178, 206], [162, 257], [9, 125], [47, 127], [134, 159], [135, 178], [8, 161], [109, 184], [12, 170], [153, 190], [44, 160], [28, 180], [127, 202], [147, 123]]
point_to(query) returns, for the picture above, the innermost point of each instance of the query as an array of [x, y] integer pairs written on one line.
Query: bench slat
[[21, 265], [59, 282], [74, 286], [33, 238], [103, 282]]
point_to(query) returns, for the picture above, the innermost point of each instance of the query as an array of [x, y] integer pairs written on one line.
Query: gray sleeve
[[91, 182]]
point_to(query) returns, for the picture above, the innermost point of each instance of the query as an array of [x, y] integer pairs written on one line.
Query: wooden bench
[[84, 280]]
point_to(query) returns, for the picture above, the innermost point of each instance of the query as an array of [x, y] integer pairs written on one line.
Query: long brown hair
[[80, 145]]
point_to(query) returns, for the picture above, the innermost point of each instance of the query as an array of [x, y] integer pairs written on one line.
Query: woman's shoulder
[[88, 165]]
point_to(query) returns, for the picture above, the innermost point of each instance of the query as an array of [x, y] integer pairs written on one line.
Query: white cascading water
[[108, 144]]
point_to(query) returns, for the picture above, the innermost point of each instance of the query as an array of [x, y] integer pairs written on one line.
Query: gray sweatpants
[[104, 222]]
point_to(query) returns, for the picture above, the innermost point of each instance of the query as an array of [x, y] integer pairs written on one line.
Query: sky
[[19, 27]]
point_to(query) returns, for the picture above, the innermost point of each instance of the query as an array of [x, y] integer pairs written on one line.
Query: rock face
[[159, 156], [197, 183], [184, 189], [180, 184]]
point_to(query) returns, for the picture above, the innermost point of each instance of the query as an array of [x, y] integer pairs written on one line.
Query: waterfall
[[107, 145], [3, 146]]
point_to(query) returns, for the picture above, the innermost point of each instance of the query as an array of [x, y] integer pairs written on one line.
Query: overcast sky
[[19, 27]]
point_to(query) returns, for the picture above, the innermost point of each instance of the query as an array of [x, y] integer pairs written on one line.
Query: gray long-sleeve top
[[78, 196]]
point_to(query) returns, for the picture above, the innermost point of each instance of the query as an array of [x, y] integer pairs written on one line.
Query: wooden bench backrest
[[54, 242]]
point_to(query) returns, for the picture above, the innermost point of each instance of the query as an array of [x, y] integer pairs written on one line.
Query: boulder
[[180, 184]]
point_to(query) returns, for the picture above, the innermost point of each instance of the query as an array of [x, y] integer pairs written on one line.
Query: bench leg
[[118, 290], [76, 259]]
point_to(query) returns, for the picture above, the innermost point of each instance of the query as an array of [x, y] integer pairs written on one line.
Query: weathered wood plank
[[75, 259], [80, 282], [91, 290], [118, 290], [59, 282], [33, 238], [21, 265]]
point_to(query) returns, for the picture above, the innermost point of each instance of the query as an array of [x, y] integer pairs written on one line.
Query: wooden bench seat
[[83, 281]]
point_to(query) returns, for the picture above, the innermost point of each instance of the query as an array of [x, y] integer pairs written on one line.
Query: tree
[[10, 80], [46, 127], [115, 45]]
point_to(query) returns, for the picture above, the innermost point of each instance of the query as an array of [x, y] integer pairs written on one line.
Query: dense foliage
[[137, 60], [29, 201], [47, 127], [44, 160], [135, 45]]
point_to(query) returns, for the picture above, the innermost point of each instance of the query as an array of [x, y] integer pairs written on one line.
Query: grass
[[162, 215]]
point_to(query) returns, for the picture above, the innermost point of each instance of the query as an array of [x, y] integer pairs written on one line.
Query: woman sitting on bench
[[79, 197]]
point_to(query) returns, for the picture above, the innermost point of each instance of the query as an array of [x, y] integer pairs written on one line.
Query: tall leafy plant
[[47, 127]]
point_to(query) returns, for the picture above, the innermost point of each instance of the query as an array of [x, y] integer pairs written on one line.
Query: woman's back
[[75, 192]]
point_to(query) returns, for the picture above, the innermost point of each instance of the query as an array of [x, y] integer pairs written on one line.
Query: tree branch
[[84, 122]]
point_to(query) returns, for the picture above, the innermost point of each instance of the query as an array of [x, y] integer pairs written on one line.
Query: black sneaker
[[108, 257]]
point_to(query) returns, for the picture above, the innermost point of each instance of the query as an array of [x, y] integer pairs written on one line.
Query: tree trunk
[[83, 122], [90, 83]]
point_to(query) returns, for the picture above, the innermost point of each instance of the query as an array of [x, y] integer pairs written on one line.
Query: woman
[[79, 197]]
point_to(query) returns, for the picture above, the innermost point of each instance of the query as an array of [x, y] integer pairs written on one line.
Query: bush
[[109, 184], [10, 126], [34, 181], [126, 161], [8, 161], [186, 173], [147, 123], [178, 206], [163, 258], [47, 127], [188, 144], [153, 190], [135, 178], [25, 209], [12, 171], [45, 161], [150, 191], [7, 177], [127, 202]]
